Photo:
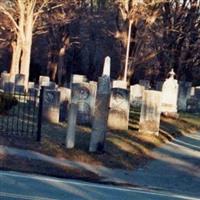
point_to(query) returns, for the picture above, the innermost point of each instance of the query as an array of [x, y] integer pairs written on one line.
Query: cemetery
[[95, 122], [97, 84]]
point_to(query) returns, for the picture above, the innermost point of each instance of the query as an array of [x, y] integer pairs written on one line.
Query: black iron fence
[[22, 114]]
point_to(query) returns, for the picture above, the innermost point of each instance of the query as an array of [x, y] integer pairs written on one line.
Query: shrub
[[7, 101]]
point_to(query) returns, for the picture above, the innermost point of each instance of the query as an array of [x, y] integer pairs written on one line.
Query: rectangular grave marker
[[119, 109], [51, 105], [150, 112], [83, 94]]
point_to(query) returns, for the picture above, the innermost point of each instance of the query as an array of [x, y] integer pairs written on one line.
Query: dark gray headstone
[[83, 94], [119, 109], [9, 87], [183, 95], [65, 96], [51, 105], [145, 83]]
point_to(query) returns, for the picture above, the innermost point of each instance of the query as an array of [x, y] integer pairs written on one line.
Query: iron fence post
[[40, 114]]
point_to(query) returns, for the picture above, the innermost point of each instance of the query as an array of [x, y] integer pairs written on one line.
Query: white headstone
[[44, 81], [107, 66], [119, 84], [170, 94], [136, 95]]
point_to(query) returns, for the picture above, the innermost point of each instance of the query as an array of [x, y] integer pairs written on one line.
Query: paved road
[[176, 168], [15, 185]]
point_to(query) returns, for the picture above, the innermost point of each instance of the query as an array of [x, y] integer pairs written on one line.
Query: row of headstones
[[175, 96], [12, 83], [16, 83], [83, 94]]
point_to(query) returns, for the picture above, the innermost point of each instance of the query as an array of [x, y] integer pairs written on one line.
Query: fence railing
[[23, 117]]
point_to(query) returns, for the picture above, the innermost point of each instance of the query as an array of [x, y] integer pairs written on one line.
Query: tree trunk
[[61, 62], [16, 46], [26, 51]]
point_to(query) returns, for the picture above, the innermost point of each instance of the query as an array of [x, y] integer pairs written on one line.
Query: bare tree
[[133, 19], [23, 15], [176, 37]]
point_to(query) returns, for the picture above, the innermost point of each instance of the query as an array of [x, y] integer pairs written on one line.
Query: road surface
[[15, 185]]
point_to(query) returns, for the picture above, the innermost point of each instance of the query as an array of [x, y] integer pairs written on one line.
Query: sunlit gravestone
[[183, 95], [99, 123], [119, 109], [136, 95], [31, 85], [150, 112], [71, 129], [51, 105], [44, 81], [83, 94], [170, 95], [119, 84], [77, 78]]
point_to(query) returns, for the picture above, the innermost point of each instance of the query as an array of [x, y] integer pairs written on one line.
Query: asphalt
[[26, 186]]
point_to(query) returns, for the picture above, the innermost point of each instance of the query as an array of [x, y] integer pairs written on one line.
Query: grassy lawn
[[126, 150]]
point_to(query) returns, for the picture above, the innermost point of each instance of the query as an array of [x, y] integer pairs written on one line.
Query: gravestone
[[19, 83], [5, 78], [145, 83], [119, 84], [31, 85], [170, 95], [159, 85], [150, 113], [193, 105], [136, 95], [197, 92], [119, 109], [183, 95], [44, 81], [51, 105], [192, 93], [106, 67], [65, 96], [71, 129], [33, 93], [83, 94], [9, 87], [99, 123], [52, 85], [77, 78]]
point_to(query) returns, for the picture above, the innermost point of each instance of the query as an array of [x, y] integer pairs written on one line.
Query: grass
[[126, 150]]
